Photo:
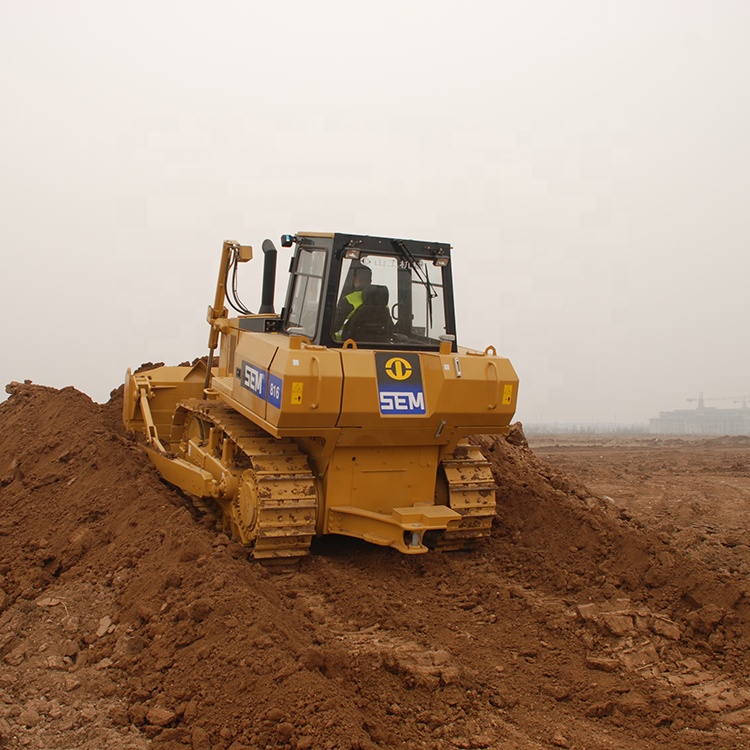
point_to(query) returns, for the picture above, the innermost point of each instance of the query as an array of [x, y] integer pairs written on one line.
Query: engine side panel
[[430, 391]]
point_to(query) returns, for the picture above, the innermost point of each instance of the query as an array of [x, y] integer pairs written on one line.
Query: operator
[[362, 278]]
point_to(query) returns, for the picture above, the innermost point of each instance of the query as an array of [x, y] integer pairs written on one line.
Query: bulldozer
[[349, 412]]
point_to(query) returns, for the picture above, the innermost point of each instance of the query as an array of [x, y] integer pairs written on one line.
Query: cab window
[[384, 299], [306, 292]]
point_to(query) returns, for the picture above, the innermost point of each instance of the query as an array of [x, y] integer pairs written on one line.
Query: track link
[[274, 506], [471, 492]]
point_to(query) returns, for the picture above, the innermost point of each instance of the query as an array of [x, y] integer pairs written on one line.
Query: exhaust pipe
[[269, 278]]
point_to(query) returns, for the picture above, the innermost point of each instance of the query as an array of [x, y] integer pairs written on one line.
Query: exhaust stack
[[269, 278]]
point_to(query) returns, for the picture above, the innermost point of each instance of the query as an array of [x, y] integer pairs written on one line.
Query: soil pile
[[127, 621]]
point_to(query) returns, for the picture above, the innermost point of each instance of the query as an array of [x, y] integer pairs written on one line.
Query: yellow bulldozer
[[347, 413]]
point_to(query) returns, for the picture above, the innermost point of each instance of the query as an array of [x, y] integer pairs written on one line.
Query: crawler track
[[471, 492], [268, 491]]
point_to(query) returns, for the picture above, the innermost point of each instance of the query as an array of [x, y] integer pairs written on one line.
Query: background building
[[704, 420]]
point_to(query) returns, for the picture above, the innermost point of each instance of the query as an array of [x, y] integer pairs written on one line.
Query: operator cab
[[380, 293]]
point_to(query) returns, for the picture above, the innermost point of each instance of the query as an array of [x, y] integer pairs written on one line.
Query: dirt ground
[[609, 609]]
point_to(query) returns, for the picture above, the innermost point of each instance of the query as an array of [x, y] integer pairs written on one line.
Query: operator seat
[[371, 321]]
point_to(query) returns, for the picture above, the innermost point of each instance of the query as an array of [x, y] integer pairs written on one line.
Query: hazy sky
[[589, 161]]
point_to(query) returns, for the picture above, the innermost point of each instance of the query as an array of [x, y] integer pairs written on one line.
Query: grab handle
[[318, 375], [492, 383]]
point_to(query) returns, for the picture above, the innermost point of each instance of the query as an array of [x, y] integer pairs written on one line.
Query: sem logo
[[254, 379], [400, 388], [398, 368], [401, 402]]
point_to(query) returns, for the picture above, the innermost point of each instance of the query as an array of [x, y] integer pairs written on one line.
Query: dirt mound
[[733, 441], [127, 622]]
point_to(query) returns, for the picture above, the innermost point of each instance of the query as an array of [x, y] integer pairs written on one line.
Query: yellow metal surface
[[363, 488], [164, 388], [380, 478], [402, 528], [275, 383], [477, 393], [183, 474], [310, 393]]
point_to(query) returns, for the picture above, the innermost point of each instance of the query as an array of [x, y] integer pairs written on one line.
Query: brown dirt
[[584, 622]]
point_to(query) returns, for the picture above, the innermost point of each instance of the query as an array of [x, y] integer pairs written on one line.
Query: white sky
[[588, 160]]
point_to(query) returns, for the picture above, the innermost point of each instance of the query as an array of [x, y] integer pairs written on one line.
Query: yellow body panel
[[473, 398], [310, 394]]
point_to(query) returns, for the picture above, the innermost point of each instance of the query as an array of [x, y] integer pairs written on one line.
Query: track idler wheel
[[245, 508]]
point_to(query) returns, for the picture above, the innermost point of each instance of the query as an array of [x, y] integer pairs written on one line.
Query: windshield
[[392, 300]]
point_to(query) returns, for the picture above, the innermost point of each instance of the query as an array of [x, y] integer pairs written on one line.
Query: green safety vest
[[355, 300]]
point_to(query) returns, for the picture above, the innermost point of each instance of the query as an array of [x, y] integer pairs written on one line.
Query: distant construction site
[[704, 420]]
